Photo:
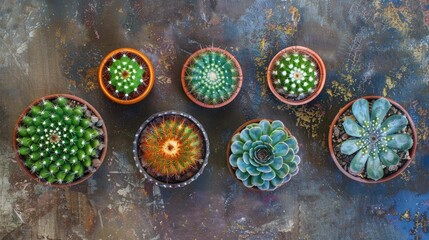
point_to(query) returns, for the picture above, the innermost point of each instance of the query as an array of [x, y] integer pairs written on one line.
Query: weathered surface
[[377, 47]]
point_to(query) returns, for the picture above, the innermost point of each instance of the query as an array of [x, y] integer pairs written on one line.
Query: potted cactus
[[372, 139], [60, 140], [171, 149], [126, 76], [211, 77], [262, 154], [296, 75]]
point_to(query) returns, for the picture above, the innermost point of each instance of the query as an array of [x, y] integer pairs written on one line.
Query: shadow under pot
[[171, 149], [211, 77], [372, 139], [126, 76], [262, 154], [60, 140], [296, 75]]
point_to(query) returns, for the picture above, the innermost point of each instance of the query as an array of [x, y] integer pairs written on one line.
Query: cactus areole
[[296, 75], [211, 77], [262, 154], [171, 149], [60, 140], [126, 76], [373, 138]]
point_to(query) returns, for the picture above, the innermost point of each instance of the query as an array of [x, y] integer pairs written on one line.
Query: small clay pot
[[148, 76], [364, 180], [228, 150], [20, 160], [320, 67], [138, 152], [192, 97]]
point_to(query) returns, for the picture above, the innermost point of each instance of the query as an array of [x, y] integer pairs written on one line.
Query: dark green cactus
[[375, 139], [57, 141], [295, 75], [126, 75], [264, 155], [212, 77]]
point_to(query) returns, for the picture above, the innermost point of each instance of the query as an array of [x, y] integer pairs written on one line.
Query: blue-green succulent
[[263, 155], [376, 139]]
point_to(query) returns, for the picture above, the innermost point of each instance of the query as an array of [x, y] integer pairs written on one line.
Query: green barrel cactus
[[212, 77], [57, 141], [295, 75], [376, 139], [263, 155], [125, 75]]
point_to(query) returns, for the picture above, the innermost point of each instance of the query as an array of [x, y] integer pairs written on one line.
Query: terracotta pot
[[192, 97], [384, 179], [137, 152], [228, 150], [103, 68], [320, 66], [19, 159]]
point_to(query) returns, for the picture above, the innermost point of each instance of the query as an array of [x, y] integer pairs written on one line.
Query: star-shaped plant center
[[377, 139]]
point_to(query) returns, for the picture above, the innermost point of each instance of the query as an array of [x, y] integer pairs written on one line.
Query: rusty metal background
[[376, 47]]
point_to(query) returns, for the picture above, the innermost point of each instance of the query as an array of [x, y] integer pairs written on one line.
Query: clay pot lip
[[384, 179], [15, 145], [113, 97], [228, 152], [136, 149], [198, 102], [322, 74]]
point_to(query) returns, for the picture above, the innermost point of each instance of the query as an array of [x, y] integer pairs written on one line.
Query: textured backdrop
[[369, 47]]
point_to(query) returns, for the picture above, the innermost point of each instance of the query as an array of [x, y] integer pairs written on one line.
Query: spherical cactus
[[126, 76], [296, 75], [211, 77], [263, 155], [171, 148], [57, 139], [376, 140]]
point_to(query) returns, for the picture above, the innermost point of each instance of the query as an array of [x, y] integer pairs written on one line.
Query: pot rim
[[15, 134], [142, 95], [391, 176], [136, 149], [228, 153], [192, 97], [322, 74]]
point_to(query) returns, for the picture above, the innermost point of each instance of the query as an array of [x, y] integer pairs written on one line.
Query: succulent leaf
[[394, 124], [352, 128], [373, 167], [266, 155], [350, 146], [401, 142], [380, 107], [389, 157], [360, 109], [358, 162]]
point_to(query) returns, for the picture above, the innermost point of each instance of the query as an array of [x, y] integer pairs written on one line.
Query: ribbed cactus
[[172, 147], [212, 77], [264, 155], [295, 75], [57, 141], [376, 139], [126, 75]]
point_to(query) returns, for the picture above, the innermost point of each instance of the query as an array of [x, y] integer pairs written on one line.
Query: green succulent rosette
[[263, 155], [375, 139]]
